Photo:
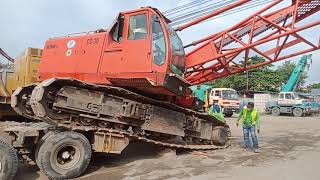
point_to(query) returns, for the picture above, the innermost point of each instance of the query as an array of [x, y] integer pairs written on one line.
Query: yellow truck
[[228, 100], [24, 71]]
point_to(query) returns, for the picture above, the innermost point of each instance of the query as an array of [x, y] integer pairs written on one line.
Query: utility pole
[[247, 80]]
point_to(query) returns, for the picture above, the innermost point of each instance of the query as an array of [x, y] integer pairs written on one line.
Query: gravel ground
[[290, 149]]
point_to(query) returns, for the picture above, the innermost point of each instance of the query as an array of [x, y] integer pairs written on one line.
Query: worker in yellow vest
[[216, 110], [250, 122]]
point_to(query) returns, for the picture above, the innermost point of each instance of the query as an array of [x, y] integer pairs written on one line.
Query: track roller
[[219, 135]]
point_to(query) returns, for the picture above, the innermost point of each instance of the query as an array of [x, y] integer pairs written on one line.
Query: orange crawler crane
[[107, 88]]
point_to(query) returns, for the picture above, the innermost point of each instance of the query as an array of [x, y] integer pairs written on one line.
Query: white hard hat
[[216, 98]]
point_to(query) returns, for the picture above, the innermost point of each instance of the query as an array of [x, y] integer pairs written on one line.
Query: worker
[[216, 110], [250, 122]]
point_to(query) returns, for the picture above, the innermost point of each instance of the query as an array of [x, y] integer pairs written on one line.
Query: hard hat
[[216, 98]]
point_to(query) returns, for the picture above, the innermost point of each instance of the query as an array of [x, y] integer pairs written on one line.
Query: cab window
[[178, 55], [281, 96], [137, 27], [158, 42], [288, 96], [217, 93], [118, 30]]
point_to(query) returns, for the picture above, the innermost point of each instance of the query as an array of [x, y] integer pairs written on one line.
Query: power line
[[210, 7], [241, 9], [174, 10], [236, 10], [194, 6]]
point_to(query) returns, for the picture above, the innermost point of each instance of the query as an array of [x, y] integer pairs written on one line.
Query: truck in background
[[288, 101], [228, 98]]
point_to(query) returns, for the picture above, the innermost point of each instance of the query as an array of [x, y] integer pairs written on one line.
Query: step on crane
[[106, 88]]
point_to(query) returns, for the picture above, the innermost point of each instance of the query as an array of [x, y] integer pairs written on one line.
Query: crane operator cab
[[139, 51]]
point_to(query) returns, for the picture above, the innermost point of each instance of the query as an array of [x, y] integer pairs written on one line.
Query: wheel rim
[[275, 111], [297, 112], [66, 156]]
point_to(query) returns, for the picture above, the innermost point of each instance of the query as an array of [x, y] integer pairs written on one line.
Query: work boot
[[256, 150]]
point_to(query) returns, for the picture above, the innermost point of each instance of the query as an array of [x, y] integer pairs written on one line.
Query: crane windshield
[[178, 58]]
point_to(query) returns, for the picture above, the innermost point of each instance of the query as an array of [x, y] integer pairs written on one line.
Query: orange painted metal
[[215, 59], [97, 57]]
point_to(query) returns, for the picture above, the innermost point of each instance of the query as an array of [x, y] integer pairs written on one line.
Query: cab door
[[137, 43], [112, 57]]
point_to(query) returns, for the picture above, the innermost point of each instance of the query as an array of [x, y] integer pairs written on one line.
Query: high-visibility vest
[[212, 110], [253, 115], [217, 115]]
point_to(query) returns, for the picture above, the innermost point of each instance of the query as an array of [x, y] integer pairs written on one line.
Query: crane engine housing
[[140, 51]]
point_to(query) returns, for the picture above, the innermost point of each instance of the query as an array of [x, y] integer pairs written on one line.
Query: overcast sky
[[29, 23]]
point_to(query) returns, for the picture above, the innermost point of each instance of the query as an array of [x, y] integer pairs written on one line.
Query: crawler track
[[54, 102]]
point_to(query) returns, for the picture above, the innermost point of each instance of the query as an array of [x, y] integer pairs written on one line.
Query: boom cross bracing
[[218, 55]]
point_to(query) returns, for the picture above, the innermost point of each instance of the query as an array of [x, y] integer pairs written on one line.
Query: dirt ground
[[290, 149]]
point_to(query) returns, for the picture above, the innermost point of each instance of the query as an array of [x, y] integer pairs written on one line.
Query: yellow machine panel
[[24, 72], [7, 84], [26, 67]]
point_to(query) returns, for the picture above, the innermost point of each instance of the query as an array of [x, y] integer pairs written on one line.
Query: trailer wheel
[[39, 144], [228, 114], [275, 111], [8, 161], [219, 135], [297, 112], [64, 155]]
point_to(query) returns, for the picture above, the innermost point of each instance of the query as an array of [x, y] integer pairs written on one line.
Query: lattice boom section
[[268, 35]]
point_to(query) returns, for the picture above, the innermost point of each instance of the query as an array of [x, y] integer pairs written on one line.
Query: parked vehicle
[[228, 100], [289, 103]]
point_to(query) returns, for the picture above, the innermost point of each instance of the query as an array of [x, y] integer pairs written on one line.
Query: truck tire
[[297, 112], [219, 135], [64, 155], [275, 111], [39, 144], [8, 161], [228, 114]]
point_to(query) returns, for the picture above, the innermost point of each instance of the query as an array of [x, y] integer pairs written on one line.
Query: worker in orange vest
[[250, 122]]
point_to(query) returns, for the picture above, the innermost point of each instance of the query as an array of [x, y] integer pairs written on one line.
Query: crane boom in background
[[292, 83]]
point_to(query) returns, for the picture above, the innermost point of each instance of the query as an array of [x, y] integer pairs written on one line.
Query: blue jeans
[[248, 129]]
